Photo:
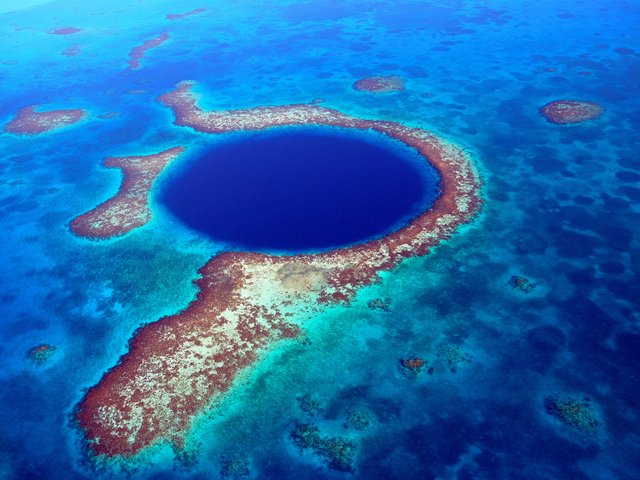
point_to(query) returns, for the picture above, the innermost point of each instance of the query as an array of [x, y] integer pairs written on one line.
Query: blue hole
[[294, 190]]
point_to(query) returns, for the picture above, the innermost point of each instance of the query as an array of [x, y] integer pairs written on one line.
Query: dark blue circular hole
[[301, 189]]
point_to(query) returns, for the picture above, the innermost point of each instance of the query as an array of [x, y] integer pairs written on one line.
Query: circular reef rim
[[246, 301]]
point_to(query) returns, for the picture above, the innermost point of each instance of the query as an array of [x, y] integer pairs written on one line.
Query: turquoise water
[[561, 210]]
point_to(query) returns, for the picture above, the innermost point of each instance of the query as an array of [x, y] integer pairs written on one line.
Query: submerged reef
[[41, 354], [129, 208], [570, 111], [309, 405], [234, 466], [453, 357], [247, 303], [380, 84], [358, 419], [30, 122], [381, 304], [137, 53], [521, 284], [178, 16], [72, 50], [578, 414], [337, 451], [65, 31]]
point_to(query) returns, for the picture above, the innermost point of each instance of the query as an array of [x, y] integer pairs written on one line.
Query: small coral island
[[570, 111], [30, 122], [448, 357], [41, 354], [380, 84], [412, 366], [521, 284]]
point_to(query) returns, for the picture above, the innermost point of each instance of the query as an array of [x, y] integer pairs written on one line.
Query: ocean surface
[[527, 319]]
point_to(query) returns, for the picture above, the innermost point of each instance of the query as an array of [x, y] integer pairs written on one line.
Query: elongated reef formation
[[179, 16], [138, 53], [180, 365], [129, 208], [65, 31], [28, 121]]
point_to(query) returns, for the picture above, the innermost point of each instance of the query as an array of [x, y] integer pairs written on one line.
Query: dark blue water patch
[[301, 189], [25, 206], [463, 289], [546, 338], [576, 217], [615, 205], [533, 352], [625, 290], [8, 297], [416, 71], [591, 327], [582, 277], [359, 47], [574, 245], [546, 164], [628, 160], [453, 436], [9, 201], [488, 461], [612, 267], [628, 176], [512, 112], [628, 349], [583, 200], [498, 196], [319, 12], [419, 16], [615, 235], [632, 193]]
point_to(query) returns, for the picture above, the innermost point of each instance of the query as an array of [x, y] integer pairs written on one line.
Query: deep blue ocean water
[[301, 190], [562, 210]]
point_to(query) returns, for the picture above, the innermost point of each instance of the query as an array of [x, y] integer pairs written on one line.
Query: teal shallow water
[[561, 210]]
